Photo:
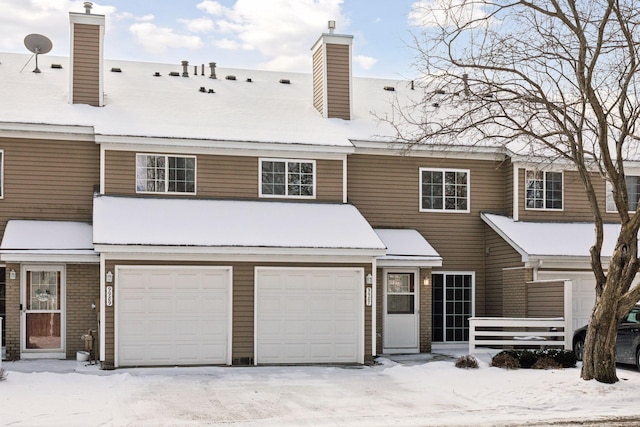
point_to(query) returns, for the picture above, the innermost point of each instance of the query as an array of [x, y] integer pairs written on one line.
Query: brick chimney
[[86, 58], [332, 74]]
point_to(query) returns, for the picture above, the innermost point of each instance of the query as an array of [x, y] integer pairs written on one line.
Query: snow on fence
[[510, 332]]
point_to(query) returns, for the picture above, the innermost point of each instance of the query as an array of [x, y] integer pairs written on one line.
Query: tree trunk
[[599, 355]]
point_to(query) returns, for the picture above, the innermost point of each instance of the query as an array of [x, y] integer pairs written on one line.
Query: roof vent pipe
[[213, 70], [332, 26], [202, 70], [195, 70], [185, 66], [87, 7]]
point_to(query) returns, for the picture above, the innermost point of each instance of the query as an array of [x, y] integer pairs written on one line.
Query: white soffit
[[239, 225]]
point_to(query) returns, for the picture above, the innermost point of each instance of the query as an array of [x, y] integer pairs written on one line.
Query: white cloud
[[211, 7], [158, 39], [198, 25], [48, 17], [280, 30], [448, 13], [366, 62], [227, 44]]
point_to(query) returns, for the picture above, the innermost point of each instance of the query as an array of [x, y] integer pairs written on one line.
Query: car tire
[[638, 358], [578, 348]]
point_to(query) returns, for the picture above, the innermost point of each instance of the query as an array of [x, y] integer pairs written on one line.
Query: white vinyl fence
[[509, 332]]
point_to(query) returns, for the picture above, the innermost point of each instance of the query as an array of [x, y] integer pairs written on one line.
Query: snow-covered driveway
[[423, 394]]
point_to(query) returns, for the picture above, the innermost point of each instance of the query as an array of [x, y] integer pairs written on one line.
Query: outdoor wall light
[[368, 279], [12, 274], [426, 281], [109, 277]]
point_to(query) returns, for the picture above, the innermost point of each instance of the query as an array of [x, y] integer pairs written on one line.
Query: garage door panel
[[177, 316], [316, 304]]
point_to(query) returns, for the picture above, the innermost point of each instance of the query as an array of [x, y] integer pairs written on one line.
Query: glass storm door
[[401, 313], [43, 313]]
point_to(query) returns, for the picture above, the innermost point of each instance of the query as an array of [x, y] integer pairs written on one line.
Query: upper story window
[[543, 190], [157, 173], [444, 190], [633, 194], [287, 178]]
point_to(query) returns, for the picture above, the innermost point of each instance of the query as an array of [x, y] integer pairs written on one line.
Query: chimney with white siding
[[86, 58], [332, 95]]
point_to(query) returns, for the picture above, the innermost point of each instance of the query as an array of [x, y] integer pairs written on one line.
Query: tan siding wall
[[338, 91], [507, 168], [545, 299], [318, 79], [48, 180], [386, 191], [576, 205], [221, 176], [515, 291], [86, 64], [83, 289], [243, 302], [499, 255]]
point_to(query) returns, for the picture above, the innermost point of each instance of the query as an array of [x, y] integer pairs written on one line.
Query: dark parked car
[[627, 343]]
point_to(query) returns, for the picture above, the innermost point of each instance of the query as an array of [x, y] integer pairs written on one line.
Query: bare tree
[[557, 79]]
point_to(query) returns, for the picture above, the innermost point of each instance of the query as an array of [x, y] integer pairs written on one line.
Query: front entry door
[[401, 312], [42, 293]]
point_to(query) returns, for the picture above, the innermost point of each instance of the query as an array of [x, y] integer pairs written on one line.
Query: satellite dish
[[38, 44]]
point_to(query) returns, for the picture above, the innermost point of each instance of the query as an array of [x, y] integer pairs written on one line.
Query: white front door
[[42, 293], [401, 320]]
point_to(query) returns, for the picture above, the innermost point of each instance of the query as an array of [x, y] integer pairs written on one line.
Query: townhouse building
[[198, 214]]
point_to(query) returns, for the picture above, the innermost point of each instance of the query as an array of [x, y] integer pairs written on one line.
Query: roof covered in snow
[[40, 240], [257, 225], [407, 246], [255, 107], [551, 239]]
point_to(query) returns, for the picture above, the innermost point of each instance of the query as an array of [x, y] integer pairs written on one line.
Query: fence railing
[[510, 332]]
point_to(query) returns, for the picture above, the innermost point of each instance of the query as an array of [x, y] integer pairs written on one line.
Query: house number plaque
[[109, 296], [368, 297]]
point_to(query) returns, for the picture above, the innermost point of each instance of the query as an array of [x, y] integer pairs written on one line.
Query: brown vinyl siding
[[498, 256], [318, 79], [545, 299], [243, 304], [508, 187], [86, 64], [338, 91], [220, 177], [386, 191], [48, 180]]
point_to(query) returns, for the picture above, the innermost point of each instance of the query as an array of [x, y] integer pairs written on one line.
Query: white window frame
[[286, 162], [166, 172], [544, 190], [443, 171], [609, 193]]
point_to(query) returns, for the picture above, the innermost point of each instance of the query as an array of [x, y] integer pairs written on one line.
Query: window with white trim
[[444, 190], [633, 194], [287, 178], [543, 190], [158, 173]]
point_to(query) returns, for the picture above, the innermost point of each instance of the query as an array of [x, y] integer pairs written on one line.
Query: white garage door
[[312, 315], [173, 315]]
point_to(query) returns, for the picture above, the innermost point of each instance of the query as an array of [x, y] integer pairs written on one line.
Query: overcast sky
[[256, 34]]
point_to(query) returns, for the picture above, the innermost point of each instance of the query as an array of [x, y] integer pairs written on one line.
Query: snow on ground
[[415, 392]]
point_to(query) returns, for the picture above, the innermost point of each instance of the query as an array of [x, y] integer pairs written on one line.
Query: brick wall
[[426, 306], [12, 321], [83, 289], [514, 292]]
